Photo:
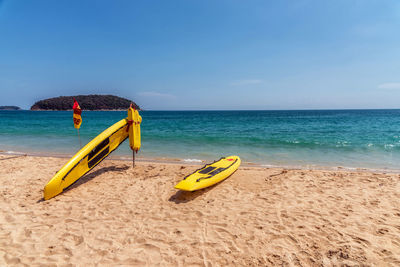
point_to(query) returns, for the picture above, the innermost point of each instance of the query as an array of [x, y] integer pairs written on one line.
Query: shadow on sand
[[13, 157], [185, 196], [88, 177]]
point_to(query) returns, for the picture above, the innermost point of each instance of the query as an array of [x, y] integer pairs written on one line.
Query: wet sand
[[117, 215]]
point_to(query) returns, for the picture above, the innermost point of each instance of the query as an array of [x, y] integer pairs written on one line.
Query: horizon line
[[316, 109]]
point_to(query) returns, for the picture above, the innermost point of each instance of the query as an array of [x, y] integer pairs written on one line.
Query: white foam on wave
[[192, 160], [389, 145], [268, 165], [15, 152]]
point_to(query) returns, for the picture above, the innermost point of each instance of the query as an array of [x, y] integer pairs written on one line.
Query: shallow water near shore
[[349, 138]]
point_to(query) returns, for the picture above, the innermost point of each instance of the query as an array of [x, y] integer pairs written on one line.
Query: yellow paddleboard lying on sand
[[87, 158], [210, 174]]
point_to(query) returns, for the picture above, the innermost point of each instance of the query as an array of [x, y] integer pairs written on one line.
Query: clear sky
[[203, 54]]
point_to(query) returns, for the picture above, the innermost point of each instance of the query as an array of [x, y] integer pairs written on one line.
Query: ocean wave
[[14, 152], [192, 160]]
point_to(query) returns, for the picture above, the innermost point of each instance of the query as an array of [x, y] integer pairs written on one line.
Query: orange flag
[[77, 115]]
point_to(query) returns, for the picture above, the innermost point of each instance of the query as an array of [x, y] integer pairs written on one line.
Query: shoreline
[[199, 162]]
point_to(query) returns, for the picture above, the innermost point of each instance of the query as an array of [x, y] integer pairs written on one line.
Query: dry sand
[[117, 215]]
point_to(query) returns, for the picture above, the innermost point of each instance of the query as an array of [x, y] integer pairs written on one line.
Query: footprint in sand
[[382, 231], [360, 240], [9, 219], [151, 251], [11, 260], [75, 239], [28, 232]]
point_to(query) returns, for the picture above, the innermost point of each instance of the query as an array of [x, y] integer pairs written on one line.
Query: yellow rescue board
[[134, 120], [210, 174], [87, 158]]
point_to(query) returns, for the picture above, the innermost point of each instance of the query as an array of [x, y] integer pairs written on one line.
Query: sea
[[286, 138]]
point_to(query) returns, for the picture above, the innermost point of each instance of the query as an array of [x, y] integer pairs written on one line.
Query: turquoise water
[[349, 138]]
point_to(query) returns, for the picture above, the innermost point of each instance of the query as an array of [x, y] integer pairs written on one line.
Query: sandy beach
[[117, 215]]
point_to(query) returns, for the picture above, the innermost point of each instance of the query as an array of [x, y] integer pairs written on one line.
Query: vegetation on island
[[9, 108], [86, 102]]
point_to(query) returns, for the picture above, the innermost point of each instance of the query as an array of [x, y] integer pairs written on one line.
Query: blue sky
[[188, 54]]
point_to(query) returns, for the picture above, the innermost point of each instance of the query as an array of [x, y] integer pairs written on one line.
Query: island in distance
[[9, 108], [86, 102]]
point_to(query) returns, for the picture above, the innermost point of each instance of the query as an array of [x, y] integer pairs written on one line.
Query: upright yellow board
[[134, 120], [210, 174], [87, 158]]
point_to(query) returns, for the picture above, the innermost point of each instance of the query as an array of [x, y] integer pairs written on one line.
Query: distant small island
[[86, 102], [9, 108]]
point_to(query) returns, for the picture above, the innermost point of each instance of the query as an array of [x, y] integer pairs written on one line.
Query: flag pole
[[79, 136]]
